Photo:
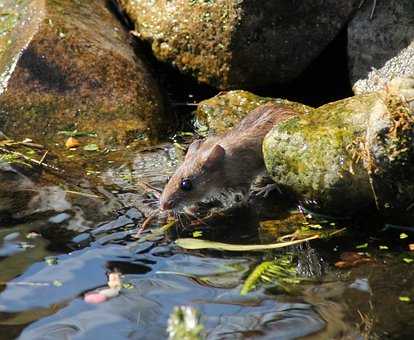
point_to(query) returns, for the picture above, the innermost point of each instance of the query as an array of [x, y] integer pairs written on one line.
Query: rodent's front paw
[[265, 191]]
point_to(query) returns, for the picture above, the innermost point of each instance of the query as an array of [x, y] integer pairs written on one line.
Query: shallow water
[[84, 226]]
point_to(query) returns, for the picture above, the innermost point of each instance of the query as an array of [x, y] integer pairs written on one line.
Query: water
[[61, 234]]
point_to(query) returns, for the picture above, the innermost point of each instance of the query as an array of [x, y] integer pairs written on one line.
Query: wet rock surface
[[222, 112], [240, 44], [69, 217], [381, 44], [348, 154], [67, 65]]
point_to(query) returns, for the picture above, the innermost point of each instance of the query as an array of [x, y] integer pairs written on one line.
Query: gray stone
[[381, 48]]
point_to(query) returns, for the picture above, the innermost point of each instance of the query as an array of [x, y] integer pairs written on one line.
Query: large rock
[[67, 65], [381, 47], [349, 155], [220, 113], [239, 44]]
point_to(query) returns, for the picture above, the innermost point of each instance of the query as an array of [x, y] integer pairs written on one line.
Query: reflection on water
[[88, 227]]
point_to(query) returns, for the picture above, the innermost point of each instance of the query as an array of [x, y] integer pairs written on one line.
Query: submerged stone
[[348, 155], [67, 65], [220, 113], [239, 44]]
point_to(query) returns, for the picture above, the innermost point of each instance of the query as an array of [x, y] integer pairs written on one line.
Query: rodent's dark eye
[[186, 185]]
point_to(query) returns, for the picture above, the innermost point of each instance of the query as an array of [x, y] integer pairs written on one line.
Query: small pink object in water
[[95, 298]]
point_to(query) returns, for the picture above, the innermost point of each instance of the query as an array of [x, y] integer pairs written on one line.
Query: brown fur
[[211, 173]]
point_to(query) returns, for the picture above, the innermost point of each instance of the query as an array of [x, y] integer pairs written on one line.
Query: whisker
[[187, 219], [153, 199], [189, 213], [176, 225], [177, 215]]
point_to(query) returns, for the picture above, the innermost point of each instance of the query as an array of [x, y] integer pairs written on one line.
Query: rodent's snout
[[165, 205]]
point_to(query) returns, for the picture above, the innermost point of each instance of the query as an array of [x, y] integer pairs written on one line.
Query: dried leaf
[[71, 143]]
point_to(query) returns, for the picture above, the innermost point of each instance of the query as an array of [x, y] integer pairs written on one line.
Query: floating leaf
[[51, 260], [127, 285], [315, 226], [57, 283], [32, 235], [192, 243], [383, 247], [362, 246], [408, 260], [404, 298], [91, 147], [197, 233], [403, 236]]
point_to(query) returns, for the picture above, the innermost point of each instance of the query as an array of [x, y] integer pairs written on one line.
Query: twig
[[185, 104], [30, 145], [43, 157], [79, 193], [19, 154], [336, 232], [146, 222]]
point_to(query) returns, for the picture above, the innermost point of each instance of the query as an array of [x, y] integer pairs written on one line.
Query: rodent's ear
[[216, 156], [194, 146]]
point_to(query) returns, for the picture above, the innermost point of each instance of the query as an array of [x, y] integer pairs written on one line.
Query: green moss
[[200, 45], [310, 154], [347, 154], [58, 82], [222, 112]]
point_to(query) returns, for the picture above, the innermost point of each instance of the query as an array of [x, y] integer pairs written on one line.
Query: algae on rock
[[239, 44], [220, 113], [67, 65], [347, 155]]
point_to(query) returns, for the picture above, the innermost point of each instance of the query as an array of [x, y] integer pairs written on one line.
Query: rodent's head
[[197, 178]]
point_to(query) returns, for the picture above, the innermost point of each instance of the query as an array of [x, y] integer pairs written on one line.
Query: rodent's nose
[[166, 205]]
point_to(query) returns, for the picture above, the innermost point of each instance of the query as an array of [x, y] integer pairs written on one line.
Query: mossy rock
[[347, 155], [239, 44], [220, 113], [66, 65]]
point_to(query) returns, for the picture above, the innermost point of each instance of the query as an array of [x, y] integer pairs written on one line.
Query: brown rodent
[[226, 163]]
